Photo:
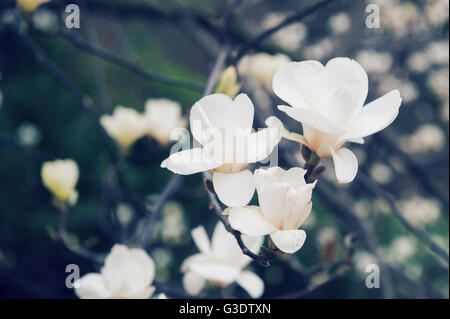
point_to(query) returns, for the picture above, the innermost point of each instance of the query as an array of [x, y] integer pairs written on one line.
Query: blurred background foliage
[[40, 120]]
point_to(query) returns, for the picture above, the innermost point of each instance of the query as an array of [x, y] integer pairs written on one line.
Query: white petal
[[340, 71], [208, 112], [235, 189], [287, 85], [251, 283], [345, 165], [91, 286], [225, 248], [201, 239], [193, 283], [189, 162], [293, 176], [272, 200], [274, 122], [249, 220], [343, 106], [240, 113], [314, 119], [215, 271], [289, 241], [376, 115], [261, 144]]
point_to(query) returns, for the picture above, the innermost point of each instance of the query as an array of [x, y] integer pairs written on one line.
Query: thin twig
[[303, 13], [78, 250], [419, 233], [133, 67]]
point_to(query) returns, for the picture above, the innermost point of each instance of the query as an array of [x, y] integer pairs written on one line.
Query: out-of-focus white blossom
[[126, 125], [402, 248], [261, 67], [221, 262], [362, 260], [60, 177], [420, 211], [124, 213], [340, 23], [28, 134], [374, 62], [320, 50], [45, 20], [328, 102], [126, 274], [418, 62], [438, 53], [162, 116], [30, 5], [224, 128], [173, 224], [381, 173], [436, 11], [284, 204], [428, 137], [400, 17], [289, 38], [438, 81], [407, 89]]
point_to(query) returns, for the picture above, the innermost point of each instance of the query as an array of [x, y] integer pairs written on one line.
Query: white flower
[[224, 128], [60, 177], [221, 262], [262, 67], [126, 274], [328, 101], [126, 125], [284, 204], [161, 117]]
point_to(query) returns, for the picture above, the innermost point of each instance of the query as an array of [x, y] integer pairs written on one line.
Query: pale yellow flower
[[126, 125], [60, 177], [30, 5]]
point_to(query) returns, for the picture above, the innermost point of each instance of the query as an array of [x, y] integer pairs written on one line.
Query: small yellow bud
[[228, 82], [60, 177], [30, 5]]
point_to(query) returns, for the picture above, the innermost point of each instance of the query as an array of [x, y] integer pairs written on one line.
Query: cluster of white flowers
[[161, 116], [328, 101]]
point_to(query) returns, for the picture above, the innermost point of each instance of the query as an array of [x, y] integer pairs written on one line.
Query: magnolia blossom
[[284, 204], [30, 5], [328, 101], [224, 128], [126, 125], [161, 117], [221, 262], [262, 67], [126, 274], [60, 177]]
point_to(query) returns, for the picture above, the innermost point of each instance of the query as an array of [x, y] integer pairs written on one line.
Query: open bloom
[[161, 117], [126, 125], [126, 274], [224, 128], [284, 204], [221, 262], [328, 101], [60, 177], [262, 67]]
